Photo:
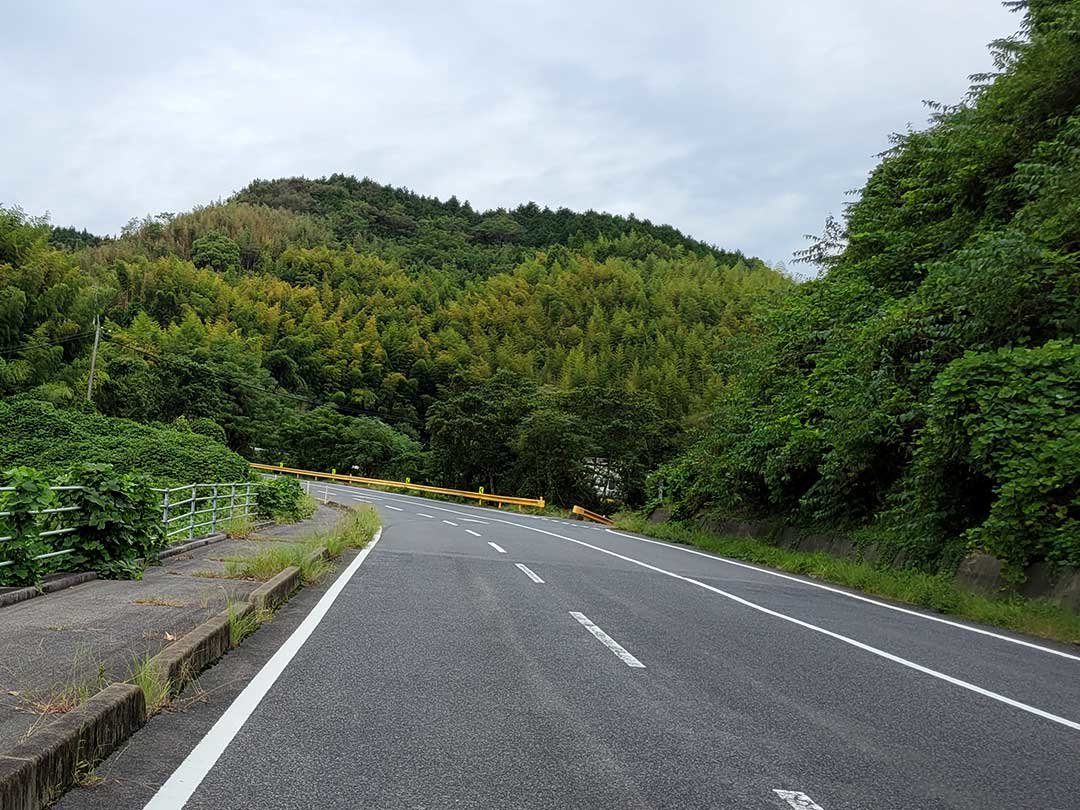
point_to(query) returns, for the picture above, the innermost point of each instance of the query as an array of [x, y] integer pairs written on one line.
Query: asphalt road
[[483, 659]]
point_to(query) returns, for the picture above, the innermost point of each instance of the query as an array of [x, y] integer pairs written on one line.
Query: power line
[[42, 342]]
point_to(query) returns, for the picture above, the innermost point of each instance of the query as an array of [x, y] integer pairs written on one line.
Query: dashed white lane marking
[[449, 523], [799, 801], [421, 514], [607, 641], [850, 595], [474, 534], [529, 573], [186, 778], [395, 508], [497, 547], [474, 520]]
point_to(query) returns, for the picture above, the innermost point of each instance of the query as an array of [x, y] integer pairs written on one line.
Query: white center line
[[799, 801], [529, 573], [421, 514], [497, 547], [449, 523], [607, 641], [474, 534], [395, 508]]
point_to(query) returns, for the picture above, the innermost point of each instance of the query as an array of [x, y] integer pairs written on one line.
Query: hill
[[320, 322]]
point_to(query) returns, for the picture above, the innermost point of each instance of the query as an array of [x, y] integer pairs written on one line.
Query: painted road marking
[[395, 508], [497, 547], [1016, 704], [474, 520], [449, 523], [607, 640], [861, 598], [529, 573], [800, 801], [474, 534], [186, 778], [907, 611], [421, 514]]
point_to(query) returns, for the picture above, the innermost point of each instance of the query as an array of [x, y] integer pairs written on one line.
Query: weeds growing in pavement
[[937, 592], [238, 528], [155, 689], [242, 623]]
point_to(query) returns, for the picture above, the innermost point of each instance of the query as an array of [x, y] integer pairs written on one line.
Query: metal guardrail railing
[[186, 512], [55, 531], [585, 513], [204, 507], [379, 482]]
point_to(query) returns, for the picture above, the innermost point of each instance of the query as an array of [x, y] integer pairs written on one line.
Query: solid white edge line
[[185, 780], [617, 648], [529, 573], [850, 595], [474, 534], [497, 547], [797, 799], [868, 600]]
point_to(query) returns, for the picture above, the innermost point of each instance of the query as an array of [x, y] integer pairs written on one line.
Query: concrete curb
[[194, 651], [52, 585], [275, 591], [190, 545], [37, 771], [320, 553]]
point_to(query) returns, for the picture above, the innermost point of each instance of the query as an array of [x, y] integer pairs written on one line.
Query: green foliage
[[926, 385], [216, 251], [1008, 423], [283, 499], [55, 440], [120, 521], [29, 494]]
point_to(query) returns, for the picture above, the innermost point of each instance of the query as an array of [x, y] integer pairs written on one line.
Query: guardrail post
[[247, 500], [232, 500], [165, 512], [213, 509], [191, 511]]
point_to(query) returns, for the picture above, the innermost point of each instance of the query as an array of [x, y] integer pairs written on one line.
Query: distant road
[[484, 659]]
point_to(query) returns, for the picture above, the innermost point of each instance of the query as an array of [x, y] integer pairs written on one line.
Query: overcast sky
[[741, 123]]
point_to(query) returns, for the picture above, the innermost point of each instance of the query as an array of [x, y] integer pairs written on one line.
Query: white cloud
[[742, 124]]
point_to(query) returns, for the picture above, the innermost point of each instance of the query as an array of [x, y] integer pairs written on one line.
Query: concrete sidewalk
[[60, 647]]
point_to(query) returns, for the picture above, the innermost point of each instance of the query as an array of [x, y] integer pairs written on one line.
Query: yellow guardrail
[[585, 513], [356, 479]]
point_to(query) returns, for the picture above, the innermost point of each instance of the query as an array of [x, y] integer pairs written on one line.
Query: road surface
[[474, 658]]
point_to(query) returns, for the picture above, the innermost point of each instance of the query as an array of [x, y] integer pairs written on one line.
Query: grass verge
[[937, 592], [354, 530]]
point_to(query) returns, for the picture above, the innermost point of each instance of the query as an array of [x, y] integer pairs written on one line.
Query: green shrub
[[30, 493], [53, 441], [121, 521], [283, 499]]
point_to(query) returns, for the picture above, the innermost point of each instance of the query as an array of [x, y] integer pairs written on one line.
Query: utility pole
[[93, 358]]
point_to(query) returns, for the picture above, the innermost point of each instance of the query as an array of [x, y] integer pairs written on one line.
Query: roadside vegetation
[[353, 530], [937, 592]]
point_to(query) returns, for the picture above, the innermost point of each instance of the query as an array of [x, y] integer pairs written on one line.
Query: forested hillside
[[340, 323], [926, 389]]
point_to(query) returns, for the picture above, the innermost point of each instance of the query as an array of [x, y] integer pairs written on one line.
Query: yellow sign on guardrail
[[481, 496]]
